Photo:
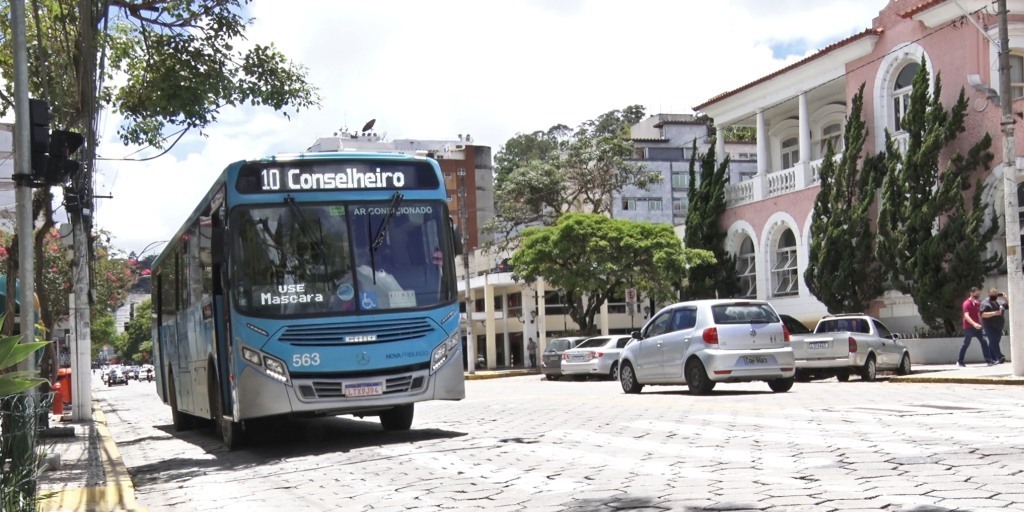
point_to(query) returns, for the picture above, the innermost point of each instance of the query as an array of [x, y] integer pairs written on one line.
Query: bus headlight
[[275, 368], [252, 356], [443, 352]]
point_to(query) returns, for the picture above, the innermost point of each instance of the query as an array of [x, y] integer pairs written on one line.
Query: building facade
[[799, 109]]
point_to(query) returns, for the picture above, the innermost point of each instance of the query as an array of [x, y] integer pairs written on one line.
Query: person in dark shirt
[[992, 321], [972, 327]]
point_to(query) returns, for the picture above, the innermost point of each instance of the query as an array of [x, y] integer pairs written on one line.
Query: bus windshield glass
[[297, 258]]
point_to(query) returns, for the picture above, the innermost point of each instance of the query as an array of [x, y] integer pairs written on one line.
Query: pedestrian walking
[[992, 321], [531, 347], [972, 327]]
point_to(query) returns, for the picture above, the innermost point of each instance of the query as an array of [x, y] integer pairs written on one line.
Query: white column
[[804, 167], [542, 331], [719, 145], [489, 327], [762, 144], [604, 318]]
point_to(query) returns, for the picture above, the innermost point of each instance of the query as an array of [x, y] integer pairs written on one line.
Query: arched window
[[832, 133], [790, 152], [901, 93], [784, 272], [1016, 75], [747, 270]]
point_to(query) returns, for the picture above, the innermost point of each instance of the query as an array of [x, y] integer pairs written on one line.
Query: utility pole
[[1015, 273], [464, 222], [23, 193]]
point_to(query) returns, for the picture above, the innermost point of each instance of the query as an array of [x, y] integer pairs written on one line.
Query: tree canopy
[[544, 174], [592, 258], [931, 243], [707, 204], [842, 271]]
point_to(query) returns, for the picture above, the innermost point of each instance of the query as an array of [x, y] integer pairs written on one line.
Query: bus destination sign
[[326, 176]]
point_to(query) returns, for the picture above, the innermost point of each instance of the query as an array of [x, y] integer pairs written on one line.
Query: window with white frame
[[746, 269], [784, 272], [679, 205], [628, 203], [1020, 210], [832, 133], [680, 180], [901, 93], [1017, 75], [654, 205], [790, 152]]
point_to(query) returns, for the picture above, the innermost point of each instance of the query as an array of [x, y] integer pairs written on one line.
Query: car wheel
[[802, 377], [904, 368], [628, 379], [870, 370], [697, 378], [843, 377], [399, 418], [781, 385], [613, 374], [551, 377]]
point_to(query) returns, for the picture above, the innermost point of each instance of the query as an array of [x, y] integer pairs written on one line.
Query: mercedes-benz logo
[[363, 359]]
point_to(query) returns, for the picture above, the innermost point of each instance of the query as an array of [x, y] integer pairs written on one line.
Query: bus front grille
[[335, 389], [363, 332]]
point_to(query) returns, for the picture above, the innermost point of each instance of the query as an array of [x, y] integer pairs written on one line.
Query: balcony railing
[[782, 182], [740, 193]]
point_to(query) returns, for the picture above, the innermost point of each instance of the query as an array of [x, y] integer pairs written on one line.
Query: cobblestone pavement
[[522, 443]]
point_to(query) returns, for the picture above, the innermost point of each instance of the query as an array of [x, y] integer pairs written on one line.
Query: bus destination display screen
[[344, 175]]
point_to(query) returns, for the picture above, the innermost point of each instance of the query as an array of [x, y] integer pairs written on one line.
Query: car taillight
[[596, 355], [853, 345], [711, 335], [565, 356], [785, 333]]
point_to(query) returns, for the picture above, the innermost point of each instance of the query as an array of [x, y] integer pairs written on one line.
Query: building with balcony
[[800, 108]]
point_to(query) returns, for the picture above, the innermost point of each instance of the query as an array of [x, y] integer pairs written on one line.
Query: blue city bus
[[311, 284]]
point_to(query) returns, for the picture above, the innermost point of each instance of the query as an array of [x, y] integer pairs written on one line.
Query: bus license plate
[[364, 389], [755, 359]]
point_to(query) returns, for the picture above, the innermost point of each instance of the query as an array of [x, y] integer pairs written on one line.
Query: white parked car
[[701, 343], [595, 356]]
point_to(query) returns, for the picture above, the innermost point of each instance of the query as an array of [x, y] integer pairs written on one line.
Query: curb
[[499, 374], [118, 493], [1016, 381]]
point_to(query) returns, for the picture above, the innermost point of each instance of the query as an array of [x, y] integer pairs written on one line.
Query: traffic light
[[39, 134], [51, 152]]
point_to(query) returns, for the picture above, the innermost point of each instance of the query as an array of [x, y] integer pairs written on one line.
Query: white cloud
[[492, 69]]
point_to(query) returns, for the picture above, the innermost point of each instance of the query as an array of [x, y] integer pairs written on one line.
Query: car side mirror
[[635, 335], [896, 336]]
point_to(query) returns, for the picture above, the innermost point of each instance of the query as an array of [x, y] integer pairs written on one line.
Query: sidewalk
[[92, 477]]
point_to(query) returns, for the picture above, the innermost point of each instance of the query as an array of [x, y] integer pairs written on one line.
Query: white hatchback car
[[701, 343], [595, 356]]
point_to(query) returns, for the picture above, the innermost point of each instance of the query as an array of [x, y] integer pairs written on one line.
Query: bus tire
[[181, 421], [229, 432], [398, 418]]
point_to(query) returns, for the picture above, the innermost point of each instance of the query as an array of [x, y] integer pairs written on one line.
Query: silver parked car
[[850, 344], [551, 359], [701, 343], [595, 356]]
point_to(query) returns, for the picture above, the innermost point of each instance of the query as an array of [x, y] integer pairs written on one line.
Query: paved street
[[522, 443]]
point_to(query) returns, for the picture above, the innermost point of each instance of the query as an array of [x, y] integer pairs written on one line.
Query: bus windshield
[[299, 258]]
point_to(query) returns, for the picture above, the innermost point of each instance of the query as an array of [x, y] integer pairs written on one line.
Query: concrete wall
[[946, 350]]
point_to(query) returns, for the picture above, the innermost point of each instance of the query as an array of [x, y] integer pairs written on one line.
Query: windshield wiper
[[382, 231], [317, 239]]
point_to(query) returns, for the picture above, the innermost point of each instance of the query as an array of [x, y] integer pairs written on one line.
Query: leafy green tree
[[139, 331], [842, 271], [930, 241], [543, 175], [707, 204], [592, 257], [104, 333]]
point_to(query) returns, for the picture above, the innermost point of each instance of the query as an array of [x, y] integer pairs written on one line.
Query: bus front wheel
[[230, 432], [399, 418]]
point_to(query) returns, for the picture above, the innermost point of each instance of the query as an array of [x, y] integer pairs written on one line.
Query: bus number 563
[[271, 179], [306, 359]]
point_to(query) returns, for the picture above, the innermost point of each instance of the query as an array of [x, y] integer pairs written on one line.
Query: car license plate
[[817, 344], [364, 389], [755, 360]]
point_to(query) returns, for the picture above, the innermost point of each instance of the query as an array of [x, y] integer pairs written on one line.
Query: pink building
[[798, 109]]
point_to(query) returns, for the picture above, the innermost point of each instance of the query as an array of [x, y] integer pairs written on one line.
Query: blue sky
[[491, 69]]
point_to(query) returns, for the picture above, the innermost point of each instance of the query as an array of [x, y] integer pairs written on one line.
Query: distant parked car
[[595, 356], [551, 359], [116, 376], [701, 343], [847, 344]]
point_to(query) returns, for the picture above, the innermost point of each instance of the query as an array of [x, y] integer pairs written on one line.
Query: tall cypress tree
[[930, 243], [707, 204], [842, 271]]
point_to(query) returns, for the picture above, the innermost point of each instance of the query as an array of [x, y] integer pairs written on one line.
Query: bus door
[[215, 232]]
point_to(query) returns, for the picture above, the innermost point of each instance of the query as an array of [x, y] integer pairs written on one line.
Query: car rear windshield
[[843, 325], [743, 313], [558, 345], [593, 343]]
